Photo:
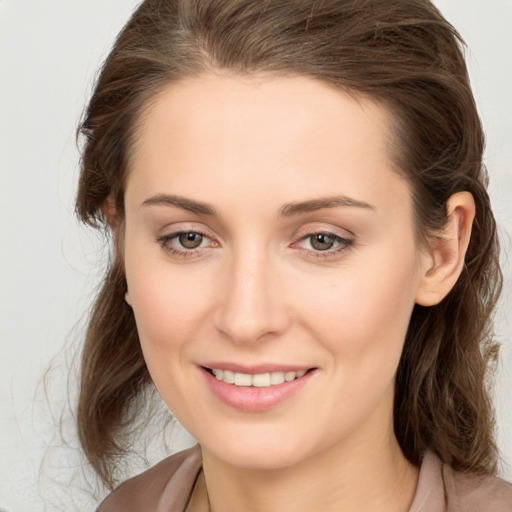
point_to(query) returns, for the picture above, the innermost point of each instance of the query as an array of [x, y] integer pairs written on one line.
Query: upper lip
[[255, 369]]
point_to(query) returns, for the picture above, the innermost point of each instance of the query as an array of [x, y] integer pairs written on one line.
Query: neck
[[352, 476]]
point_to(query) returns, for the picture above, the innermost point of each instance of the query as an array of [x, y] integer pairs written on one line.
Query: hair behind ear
[[113, 376], [442, 400]]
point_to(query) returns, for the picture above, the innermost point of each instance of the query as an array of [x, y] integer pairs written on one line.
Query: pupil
[[322, 242], [190, 240]]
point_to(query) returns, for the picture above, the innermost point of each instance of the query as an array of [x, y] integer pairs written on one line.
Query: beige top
[[167, 487]]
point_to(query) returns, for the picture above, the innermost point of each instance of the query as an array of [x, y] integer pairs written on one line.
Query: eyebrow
[[291, 209], [182, 202], [288, 210]]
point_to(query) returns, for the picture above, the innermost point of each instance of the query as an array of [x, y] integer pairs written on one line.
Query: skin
[[257, 291]]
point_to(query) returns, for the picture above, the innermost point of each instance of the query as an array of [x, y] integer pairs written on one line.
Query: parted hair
[[400, 53]]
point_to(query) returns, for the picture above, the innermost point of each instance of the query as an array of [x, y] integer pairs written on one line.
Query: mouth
[[258, 380], [257, 389]]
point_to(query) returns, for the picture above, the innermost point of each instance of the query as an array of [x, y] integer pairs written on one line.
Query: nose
[[250, 306]]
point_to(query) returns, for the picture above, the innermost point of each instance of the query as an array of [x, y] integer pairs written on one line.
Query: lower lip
[[254, 399]]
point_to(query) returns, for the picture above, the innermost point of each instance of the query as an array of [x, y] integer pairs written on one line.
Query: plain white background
[[49, 54]]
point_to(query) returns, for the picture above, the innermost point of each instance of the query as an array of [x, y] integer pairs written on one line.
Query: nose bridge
[[249, 307]]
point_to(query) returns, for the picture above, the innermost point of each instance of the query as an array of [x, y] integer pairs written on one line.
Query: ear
[[116, 227], [442, 262], [109, 211]]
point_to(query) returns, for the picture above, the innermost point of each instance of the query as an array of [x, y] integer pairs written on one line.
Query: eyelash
[[344, 245]]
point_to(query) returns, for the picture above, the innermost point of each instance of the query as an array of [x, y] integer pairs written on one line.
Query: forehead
[[294, 134], [282, 104]]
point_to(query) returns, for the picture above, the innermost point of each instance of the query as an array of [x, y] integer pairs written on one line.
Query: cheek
[[168, 312], [363, 314], [168, 302]]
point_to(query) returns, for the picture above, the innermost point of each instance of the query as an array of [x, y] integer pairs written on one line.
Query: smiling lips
[[260, 380], [258, 391]]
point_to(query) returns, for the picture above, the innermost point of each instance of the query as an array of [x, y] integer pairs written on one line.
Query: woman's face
[[267, 235]]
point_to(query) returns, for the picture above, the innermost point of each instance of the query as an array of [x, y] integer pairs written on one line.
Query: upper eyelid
[[324, 232], [323, 226], [170, 231], [346, 234]]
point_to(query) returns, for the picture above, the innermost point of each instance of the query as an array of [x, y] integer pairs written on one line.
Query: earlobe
[[443, 261]]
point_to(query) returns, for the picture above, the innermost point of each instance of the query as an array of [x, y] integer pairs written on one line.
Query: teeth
[[243, 379], [276, 377], [228, 377], [260, 380]]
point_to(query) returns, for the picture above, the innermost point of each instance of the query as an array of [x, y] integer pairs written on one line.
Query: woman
[[305, 259]]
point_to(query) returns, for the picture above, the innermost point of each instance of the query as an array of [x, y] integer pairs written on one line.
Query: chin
[[266, 450], [260, 458]]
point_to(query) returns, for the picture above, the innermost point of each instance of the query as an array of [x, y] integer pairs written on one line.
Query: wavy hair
[[401, 53]]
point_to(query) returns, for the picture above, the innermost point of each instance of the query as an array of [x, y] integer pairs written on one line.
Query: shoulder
[[442, 489], [168, 483], [467, 492]]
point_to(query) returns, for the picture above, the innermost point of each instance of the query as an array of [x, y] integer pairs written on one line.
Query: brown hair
[[402, 53]]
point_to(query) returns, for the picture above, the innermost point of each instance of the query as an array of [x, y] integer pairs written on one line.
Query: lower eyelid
[[330, 254]]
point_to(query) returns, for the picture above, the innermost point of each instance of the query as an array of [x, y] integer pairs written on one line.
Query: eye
[[323, 244], [186, 244]]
